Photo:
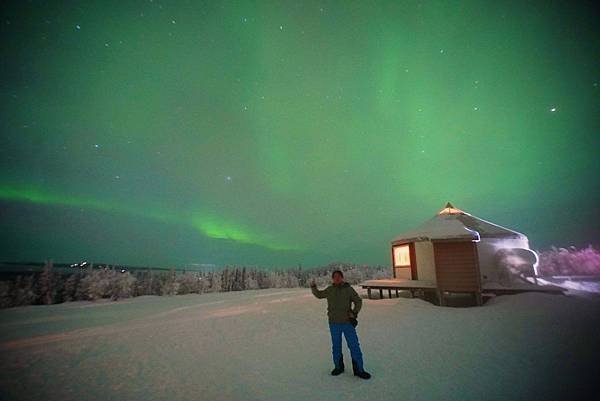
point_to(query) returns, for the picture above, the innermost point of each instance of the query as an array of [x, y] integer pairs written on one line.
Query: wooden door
[[457, 266]]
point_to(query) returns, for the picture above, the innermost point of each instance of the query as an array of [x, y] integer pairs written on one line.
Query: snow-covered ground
[[575, 285], [274, 345]]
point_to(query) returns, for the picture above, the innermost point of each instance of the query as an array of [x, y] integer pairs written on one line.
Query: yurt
[[459, 252]]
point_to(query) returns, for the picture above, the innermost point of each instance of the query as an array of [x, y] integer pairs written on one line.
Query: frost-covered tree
[[250, 282], [189, 283], [48, 285], [168, 283], [146, 283], [25, 290], [6, 299], [225, 279], [70, 287], [569, 261], [237, 284], [203, 283], [264, 279], [81, 291], [95, 285], [121, 284], [244, 278], [215, 281]]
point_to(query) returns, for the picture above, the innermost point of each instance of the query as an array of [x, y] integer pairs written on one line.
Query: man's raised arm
[[316, 292]]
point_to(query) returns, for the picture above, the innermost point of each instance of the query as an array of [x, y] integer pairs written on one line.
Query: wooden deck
[[397, 285], [420, 286]]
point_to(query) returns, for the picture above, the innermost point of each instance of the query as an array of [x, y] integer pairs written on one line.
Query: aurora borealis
[[280, 133]]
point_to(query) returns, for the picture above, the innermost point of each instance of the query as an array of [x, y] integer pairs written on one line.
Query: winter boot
[[339, 369], [362, 374]]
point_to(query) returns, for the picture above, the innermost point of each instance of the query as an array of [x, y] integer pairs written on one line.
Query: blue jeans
[[349, 331]]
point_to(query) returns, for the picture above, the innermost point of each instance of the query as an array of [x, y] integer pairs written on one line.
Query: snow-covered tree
[[215, 281], [48, 285], [6, 294], [168, 283], [70, 287], [121, 284]]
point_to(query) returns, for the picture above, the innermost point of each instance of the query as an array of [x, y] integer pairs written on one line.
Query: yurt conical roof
[[453, 223]]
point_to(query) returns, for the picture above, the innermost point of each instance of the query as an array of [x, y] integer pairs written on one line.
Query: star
[[281, 27], [475, 108], [228, 178], [78, 27], [553, 109], [97, 146]]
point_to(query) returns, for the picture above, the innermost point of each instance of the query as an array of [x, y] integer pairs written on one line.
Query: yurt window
[[401, 256]]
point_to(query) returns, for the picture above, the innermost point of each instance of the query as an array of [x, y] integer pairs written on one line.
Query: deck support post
[[369, 292], [478, 298], [440, 295], [380, 293], [389, 293], [397, 296]]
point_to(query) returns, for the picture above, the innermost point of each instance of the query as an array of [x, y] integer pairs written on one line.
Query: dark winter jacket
[[339, 299]]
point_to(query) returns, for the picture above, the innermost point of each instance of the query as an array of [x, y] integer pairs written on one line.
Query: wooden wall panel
[[456, 266]]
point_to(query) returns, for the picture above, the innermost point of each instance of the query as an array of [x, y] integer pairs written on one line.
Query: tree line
[[570, 262], [51, 286]]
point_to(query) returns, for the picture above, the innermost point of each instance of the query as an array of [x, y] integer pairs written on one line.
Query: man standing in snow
[[342, 319]]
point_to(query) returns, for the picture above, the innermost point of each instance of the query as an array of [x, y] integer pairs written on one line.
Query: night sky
[[284, 133]]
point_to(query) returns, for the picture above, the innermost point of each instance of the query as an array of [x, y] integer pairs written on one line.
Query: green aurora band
[[208, 224]]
